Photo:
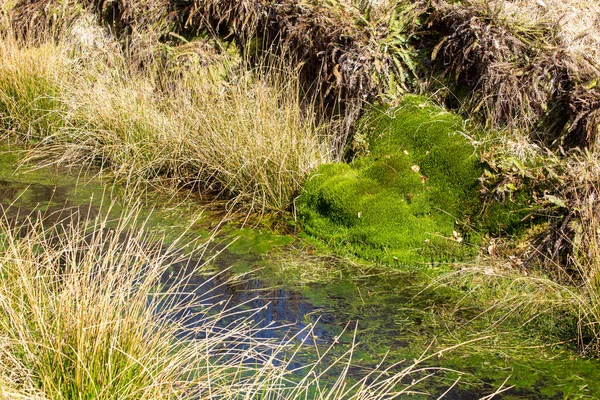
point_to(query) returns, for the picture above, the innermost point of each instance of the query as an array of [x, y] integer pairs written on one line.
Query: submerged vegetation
[[336, 111], [86, 313]]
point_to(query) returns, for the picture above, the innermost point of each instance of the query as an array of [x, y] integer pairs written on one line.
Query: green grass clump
[[401, 203]]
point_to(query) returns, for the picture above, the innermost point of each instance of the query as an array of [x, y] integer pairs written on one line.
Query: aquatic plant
[[88, 311]]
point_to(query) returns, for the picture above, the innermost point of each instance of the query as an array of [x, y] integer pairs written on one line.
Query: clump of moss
[[401, 203]]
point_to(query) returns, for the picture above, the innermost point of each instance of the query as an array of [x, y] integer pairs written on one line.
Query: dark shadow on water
[[381, 304]]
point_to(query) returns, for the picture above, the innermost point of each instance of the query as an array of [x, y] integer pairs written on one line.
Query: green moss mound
[[401, 203]]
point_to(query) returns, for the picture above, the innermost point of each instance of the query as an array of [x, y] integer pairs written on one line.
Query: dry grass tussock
[[504, 60], [582, 231], [576, 26], [181, 120], [352, 52], [84, 314], [347, 52], [532, 64]]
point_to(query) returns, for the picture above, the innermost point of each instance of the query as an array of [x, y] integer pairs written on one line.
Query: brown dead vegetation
[[522, 72], [529, 65], [559, 192], [346, 56], [584, 107], [512, 75]]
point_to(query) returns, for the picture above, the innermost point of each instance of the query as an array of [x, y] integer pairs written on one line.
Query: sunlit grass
[[243, 134], [84, 314]]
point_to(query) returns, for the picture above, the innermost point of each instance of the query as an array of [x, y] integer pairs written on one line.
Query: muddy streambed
[[288, 283]]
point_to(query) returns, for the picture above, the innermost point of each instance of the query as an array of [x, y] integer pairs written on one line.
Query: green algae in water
[[401, 203], [57, 193], [256, 241], [391, 315], [400, 314]]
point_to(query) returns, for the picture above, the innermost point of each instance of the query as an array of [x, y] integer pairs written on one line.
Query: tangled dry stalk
[[526, 66]]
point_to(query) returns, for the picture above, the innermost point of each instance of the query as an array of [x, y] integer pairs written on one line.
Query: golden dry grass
[[578, 23], [179, 121], [83, 316]]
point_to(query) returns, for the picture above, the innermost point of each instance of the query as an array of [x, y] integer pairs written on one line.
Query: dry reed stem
[[177, 122]]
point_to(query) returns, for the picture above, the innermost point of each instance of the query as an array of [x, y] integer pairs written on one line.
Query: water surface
[[288, 284]]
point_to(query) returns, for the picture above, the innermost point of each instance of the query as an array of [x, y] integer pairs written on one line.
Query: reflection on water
[[50, 204], [275, 312], [278, 311], [382, 303]]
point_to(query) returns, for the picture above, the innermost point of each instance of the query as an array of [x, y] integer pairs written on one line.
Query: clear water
[[290, 283]]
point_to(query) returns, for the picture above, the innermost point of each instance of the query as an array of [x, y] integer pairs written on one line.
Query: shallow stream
[[294, 282]]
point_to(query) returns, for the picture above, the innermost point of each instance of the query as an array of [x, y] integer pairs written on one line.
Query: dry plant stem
[[242, 134], [84, 315]]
